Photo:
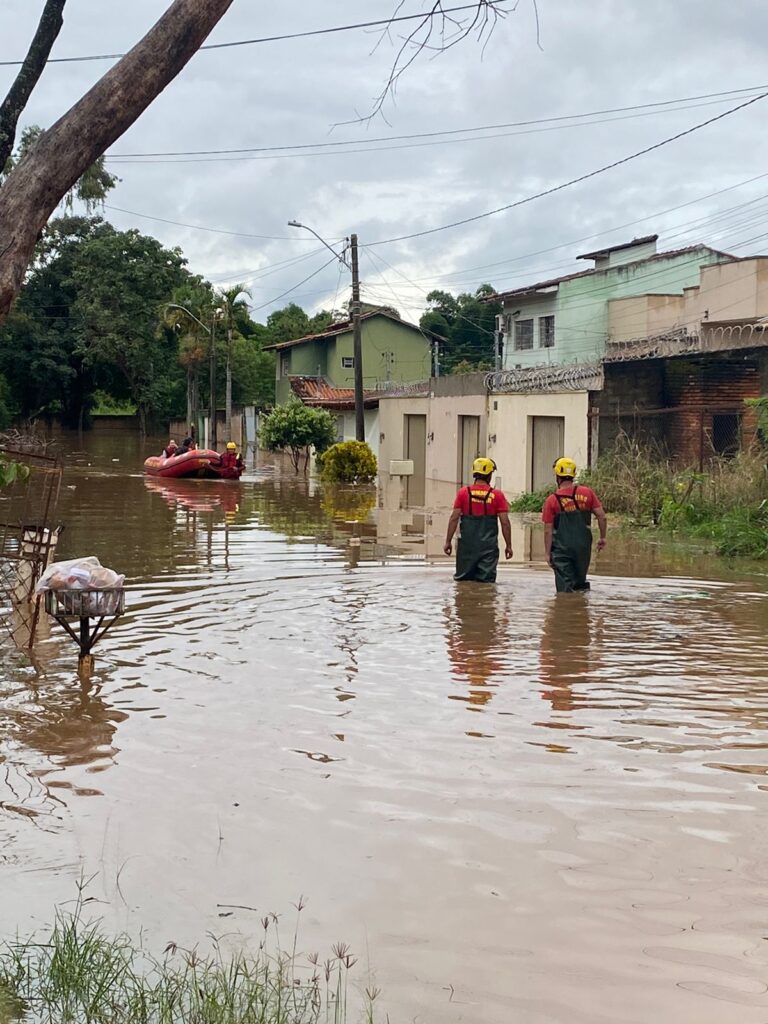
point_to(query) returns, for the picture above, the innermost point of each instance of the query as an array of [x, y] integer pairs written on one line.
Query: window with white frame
[[546, 332], [523, 335], [348, 362]]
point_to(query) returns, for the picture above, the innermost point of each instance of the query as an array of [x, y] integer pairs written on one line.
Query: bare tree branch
[[437, 31], [59, 157], [29, 74]]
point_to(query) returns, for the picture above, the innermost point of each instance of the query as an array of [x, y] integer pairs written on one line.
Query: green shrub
[[349, 462], [297, 428], [530, 501]]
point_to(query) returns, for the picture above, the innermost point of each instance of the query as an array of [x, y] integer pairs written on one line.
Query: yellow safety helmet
[[231, 446], [565, 467], [483, 466]]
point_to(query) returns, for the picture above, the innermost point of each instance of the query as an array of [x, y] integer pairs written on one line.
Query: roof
[[533, 289], [342, 327], [316, 391], [599, 253]]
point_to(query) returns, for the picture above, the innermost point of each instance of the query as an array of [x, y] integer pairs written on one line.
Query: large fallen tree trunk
[[34, 188]]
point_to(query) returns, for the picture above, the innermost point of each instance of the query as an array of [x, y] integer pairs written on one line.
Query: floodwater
[[513, 806]]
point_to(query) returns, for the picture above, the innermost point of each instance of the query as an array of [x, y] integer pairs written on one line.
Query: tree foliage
[[467, 322], [349, 462], [297, 428]]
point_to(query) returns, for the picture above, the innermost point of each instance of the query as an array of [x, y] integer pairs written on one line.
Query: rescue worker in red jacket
[[230, 459], [480, 509], [567, 517]]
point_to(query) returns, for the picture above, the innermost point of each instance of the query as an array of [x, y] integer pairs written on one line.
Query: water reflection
[[477, 631], [568, 651]]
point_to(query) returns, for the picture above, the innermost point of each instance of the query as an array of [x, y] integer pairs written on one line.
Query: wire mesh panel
[[28, 532]]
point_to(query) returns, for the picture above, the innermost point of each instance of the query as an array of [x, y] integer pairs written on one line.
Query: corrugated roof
[[342, 326], [316, 391], [532, 289]]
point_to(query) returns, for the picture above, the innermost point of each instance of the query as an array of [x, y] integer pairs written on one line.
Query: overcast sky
[[593, 56]]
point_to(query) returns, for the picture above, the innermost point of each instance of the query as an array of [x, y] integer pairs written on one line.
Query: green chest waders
[[477, 553], [571, 545]]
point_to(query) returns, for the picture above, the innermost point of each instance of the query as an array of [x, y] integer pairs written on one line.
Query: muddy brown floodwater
[[516, 807]]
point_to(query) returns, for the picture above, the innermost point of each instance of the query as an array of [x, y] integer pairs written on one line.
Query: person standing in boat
[[170, 449], [567, 517], [480, 509]]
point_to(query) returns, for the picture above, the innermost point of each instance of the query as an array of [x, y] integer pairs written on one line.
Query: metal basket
[[85, 604]]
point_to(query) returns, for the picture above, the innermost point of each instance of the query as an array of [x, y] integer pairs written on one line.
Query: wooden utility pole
[[357, 351], [212, 432]]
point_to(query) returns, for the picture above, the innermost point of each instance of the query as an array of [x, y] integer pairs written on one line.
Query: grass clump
[[530, 501], [81, 975], [726, 503]]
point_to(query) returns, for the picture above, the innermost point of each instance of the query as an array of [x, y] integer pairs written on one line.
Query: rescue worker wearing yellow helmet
[[567, 517], [480, 509]]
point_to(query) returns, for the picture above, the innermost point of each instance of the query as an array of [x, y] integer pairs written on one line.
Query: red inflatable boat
[[200, 462]]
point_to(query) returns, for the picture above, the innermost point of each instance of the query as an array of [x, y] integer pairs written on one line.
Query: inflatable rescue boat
[[200, 462]]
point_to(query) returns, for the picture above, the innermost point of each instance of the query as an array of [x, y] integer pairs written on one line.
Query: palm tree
[[231, 303], [194, 340]]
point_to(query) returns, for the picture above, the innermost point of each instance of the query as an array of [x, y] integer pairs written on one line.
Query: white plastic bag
[[78, 574]]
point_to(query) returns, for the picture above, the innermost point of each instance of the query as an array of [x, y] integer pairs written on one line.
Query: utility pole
[[213, 438], [357, 335]]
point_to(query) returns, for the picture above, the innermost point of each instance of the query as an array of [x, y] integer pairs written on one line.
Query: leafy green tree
[[253, 373], [467, 322], [193, 334], [297, 428], [123, 279]]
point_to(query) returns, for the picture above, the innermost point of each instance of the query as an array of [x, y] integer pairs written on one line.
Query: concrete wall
[[727, 291], [347, 427], [443, 439], [509, 423]]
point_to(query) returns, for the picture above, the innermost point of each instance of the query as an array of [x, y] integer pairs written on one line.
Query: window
[[348, 362], [523, 335], [546, 332], [285, 365]]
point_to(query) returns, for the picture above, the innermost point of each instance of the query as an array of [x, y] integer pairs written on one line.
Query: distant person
[[230, 459], [187, 445], [479, 509], [567, 517], [170, 449]]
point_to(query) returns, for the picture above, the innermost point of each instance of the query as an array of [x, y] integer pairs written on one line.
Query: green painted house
[[394, 352], [564, 320]]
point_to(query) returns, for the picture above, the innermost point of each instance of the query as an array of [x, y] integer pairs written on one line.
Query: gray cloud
[[594, 56]]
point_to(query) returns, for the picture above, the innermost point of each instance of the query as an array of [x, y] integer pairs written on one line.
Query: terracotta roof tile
[[318, 392]]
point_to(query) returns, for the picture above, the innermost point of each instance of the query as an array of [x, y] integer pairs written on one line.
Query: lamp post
[[213, 434], [355, 314]]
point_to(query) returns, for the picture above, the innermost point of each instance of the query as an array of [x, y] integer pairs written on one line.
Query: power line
[[269, 39], [288, 291], [637, 110], [200, 227], [574, 181]]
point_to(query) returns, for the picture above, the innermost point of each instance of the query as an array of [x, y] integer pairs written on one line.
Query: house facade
[[320, 369], [565, 319]]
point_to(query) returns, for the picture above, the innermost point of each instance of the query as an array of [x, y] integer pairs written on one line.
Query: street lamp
[[357, 333], [213, 433]]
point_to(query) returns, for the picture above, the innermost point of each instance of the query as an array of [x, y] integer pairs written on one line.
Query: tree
[[230, 302], [60, 156], [193, 334], [123, 279], [297, 428], [467, 322]]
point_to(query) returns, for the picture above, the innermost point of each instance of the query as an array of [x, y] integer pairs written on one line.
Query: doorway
[[547, 441], [416, 451], [469, 447]]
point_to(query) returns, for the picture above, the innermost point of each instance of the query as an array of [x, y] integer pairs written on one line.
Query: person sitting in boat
[[170, 449], [230, 459], [187, 445]]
